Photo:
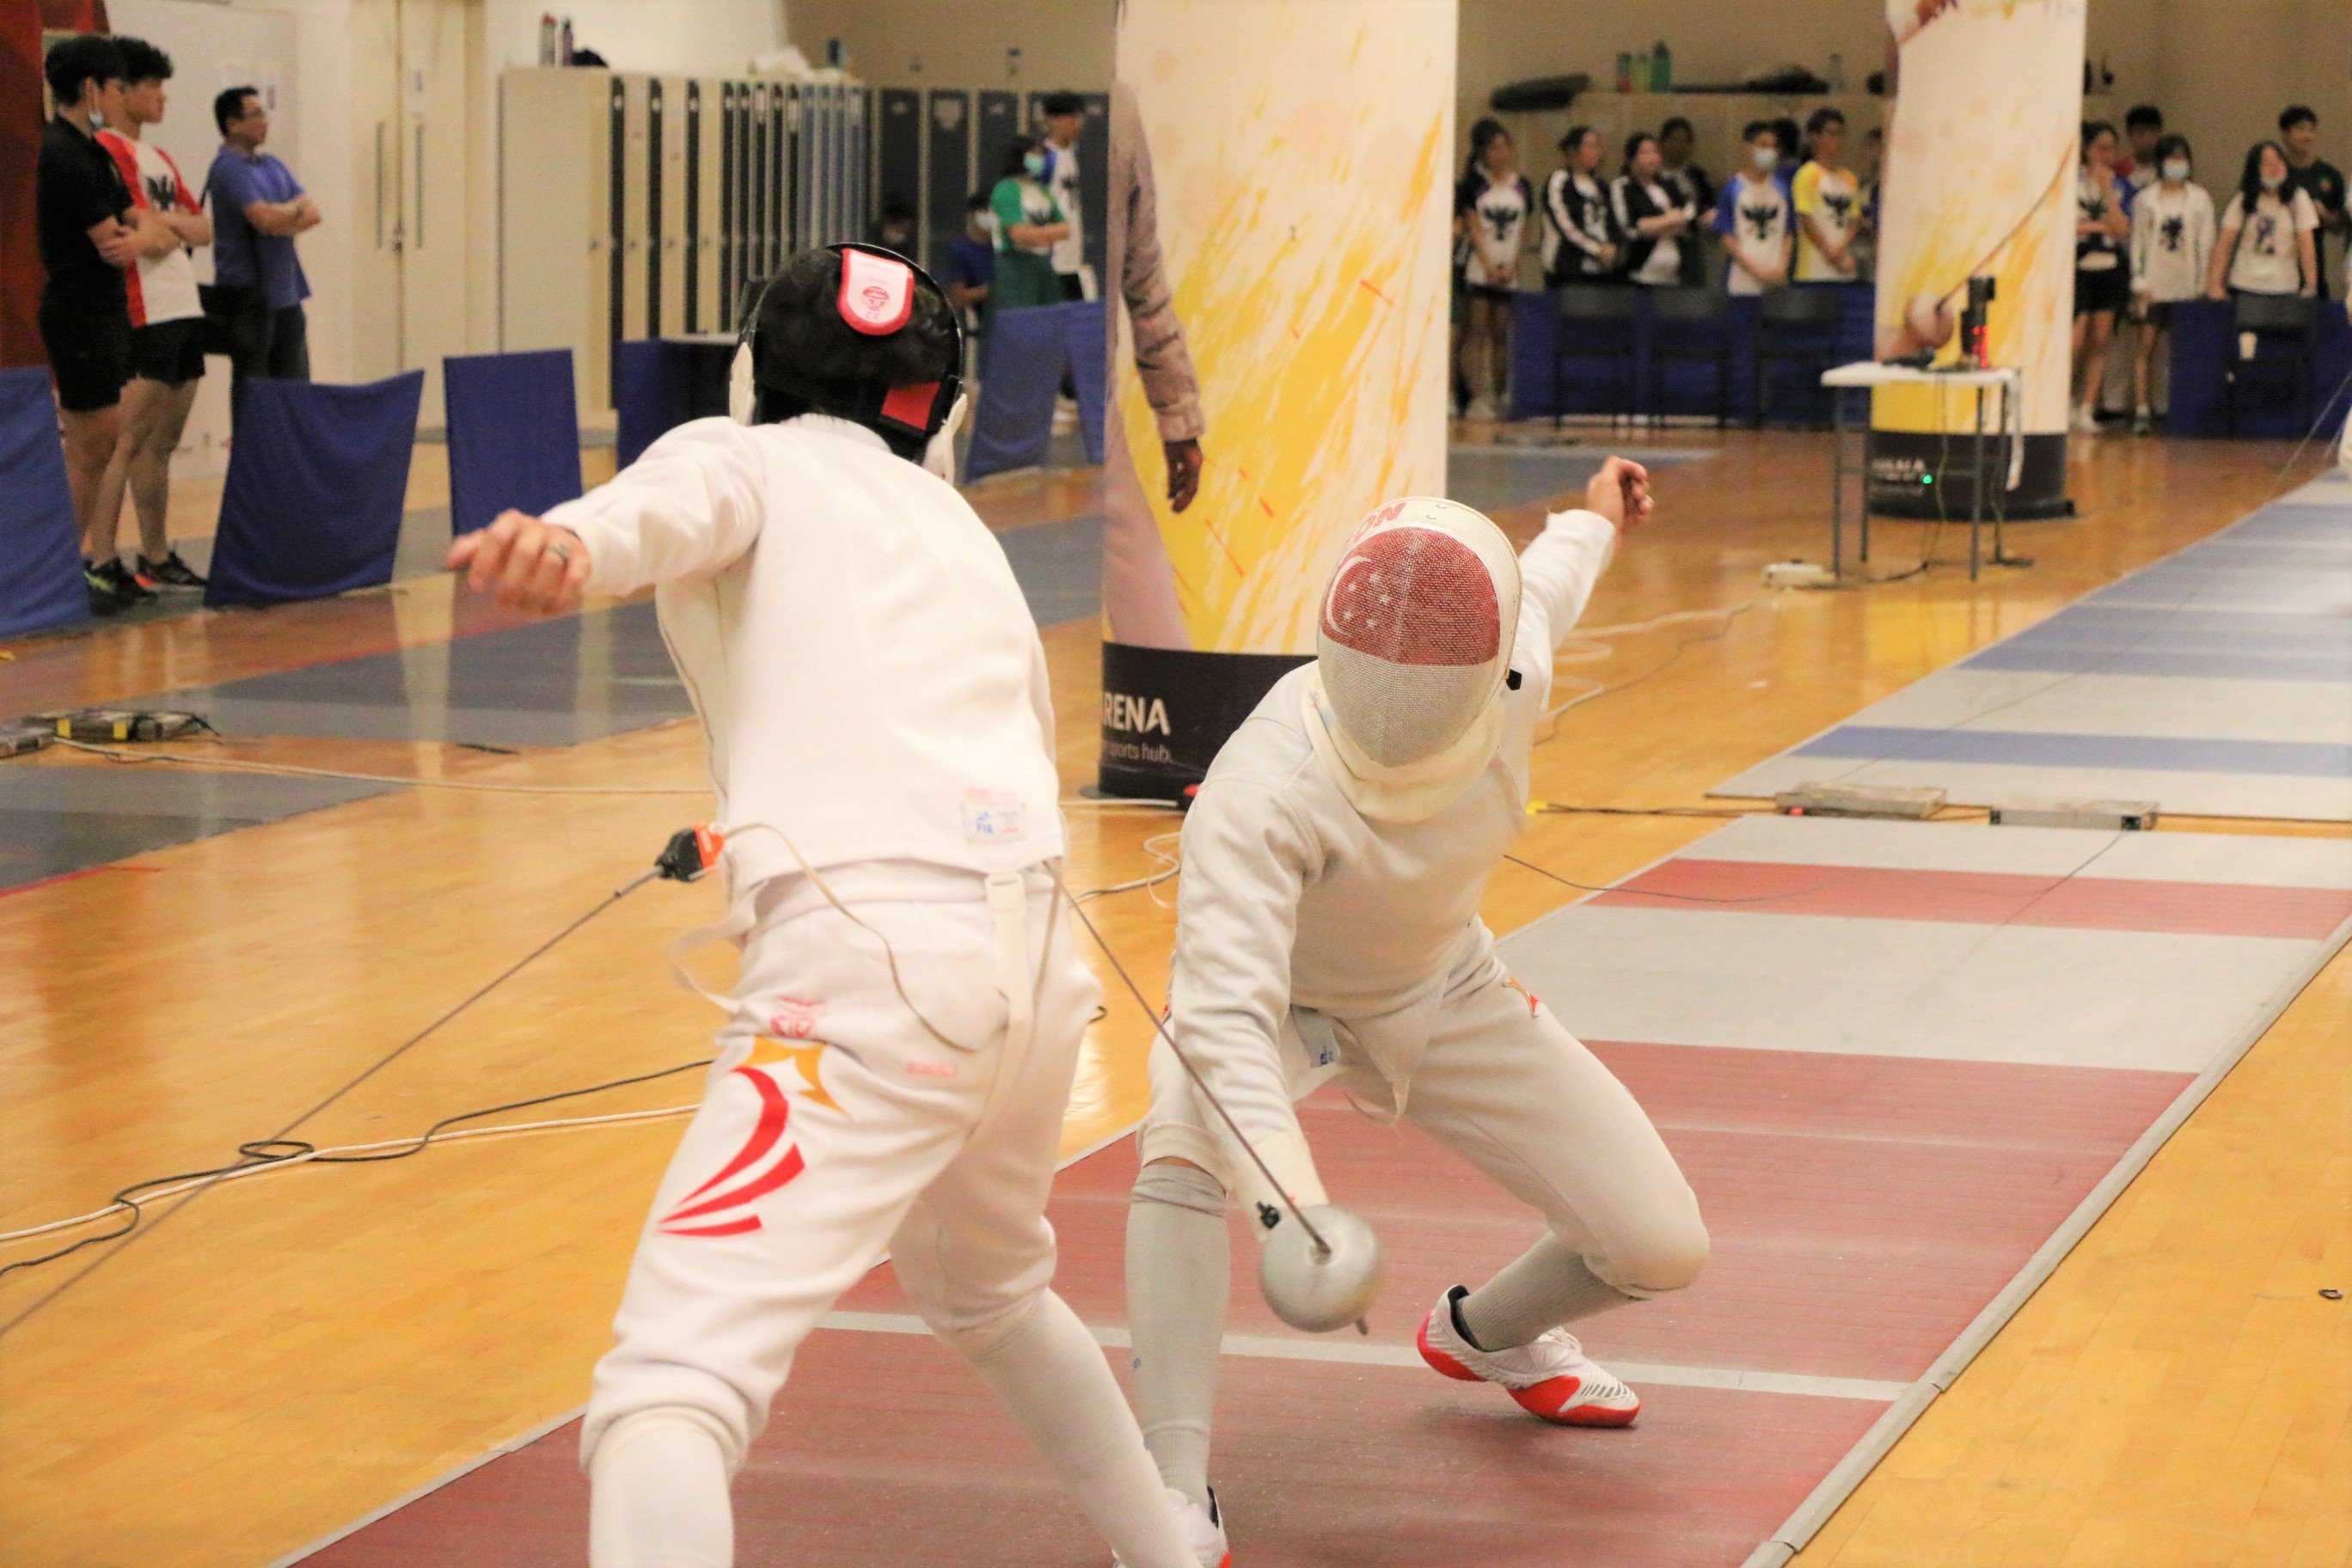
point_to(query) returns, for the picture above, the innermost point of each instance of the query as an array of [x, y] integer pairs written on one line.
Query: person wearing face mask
[[1754, 216], [1655, 223], [2266, 245], [2171, 245], [1580, 243], [1029, 224]]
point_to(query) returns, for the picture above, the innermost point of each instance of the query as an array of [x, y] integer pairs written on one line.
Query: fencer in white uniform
[[907, 1012], [1328, 932]]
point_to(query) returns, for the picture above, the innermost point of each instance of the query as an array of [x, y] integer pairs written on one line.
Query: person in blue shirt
[[259, 207]]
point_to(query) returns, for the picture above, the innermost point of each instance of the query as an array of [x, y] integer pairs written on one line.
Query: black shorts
[[2160, 315], [2109, 289], [89, 355], [170, 352]]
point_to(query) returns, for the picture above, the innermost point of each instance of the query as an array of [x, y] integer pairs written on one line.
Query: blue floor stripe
[[2158, 661], [2152, 753]]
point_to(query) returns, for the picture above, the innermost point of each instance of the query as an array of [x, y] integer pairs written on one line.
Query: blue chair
[[2280, 325], [514, 434], [1598, 325], [1693, 326], [1796, 326]]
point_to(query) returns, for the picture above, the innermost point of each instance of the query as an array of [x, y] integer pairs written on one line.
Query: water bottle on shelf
[[1624, 71], [547, 43], [1837, 73], [566, 50], [1661, 69]]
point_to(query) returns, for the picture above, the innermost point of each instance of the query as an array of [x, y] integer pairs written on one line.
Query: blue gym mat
[[2217, 681]]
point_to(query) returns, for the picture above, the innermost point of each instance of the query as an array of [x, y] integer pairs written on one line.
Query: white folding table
[[1869, 374]]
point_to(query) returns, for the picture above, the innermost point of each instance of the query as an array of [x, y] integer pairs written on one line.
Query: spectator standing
[[966, 274], [1828, 200], [2141, 164], [89, 233], [1581, 242], [1029, 224], [259, 207], [2266, 243], [895, 228], [1690, 187], [1790, 137], [1494, 202], [1866, 177], [2102, 279], [1066, 116], [167, 350], [2317, 178], [1755, 218], [1655, 222], [2172, 246]]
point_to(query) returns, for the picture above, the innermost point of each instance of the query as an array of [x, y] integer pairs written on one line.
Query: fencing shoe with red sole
[[1551, 1377], [1205, 1530]]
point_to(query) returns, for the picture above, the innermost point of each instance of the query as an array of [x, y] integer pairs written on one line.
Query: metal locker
[[1000, 124], [666, 209], [634, 185], [617, 231], [899, 159], [705, 154], [949, 181], [554, 236]]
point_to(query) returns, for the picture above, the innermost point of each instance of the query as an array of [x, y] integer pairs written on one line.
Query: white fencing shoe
[[1204, 1530], [1551, 1377]]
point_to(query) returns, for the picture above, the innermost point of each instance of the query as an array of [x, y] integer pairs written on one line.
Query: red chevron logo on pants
[[775, 1114]]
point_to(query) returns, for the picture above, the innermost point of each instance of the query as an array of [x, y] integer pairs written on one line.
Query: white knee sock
[[1050, 1374], [1544, 1286], [657, 1494], [1179, 1264]]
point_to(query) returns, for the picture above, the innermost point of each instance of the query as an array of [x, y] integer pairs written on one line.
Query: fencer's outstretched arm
[[1246, 858], [688, 506], [1558, 571]]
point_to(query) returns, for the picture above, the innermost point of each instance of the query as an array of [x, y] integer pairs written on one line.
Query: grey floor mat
[[55, 820]]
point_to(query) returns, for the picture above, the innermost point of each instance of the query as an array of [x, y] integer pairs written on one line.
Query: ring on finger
[[560, 549]]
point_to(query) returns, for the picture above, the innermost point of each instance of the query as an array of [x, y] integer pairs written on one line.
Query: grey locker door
[[898, 157], [692, 270], [1000, 123], [657, 147], [951, 180], [617, 222], [731, 126]]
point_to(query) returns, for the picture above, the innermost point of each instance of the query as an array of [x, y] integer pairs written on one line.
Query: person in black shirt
[[89, 233], [2314, 177], [1688, 182]]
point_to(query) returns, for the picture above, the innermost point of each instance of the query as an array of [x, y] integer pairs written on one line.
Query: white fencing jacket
[[867, 672], [1292, 899]]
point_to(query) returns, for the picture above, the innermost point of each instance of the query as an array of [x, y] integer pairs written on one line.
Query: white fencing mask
[[1413, 647]]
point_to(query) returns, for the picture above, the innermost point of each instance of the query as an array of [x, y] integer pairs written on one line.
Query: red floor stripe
[[1987, 898]]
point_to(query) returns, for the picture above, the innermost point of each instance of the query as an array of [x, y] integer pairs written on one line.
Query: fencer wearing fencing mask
[[1413, 647]]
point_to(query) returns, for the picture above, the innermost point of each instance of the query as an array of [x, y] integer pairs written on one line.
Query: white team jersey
[[862, 661], [1499, 222], [1832, 199], [2172, 242], [162, 288], [1069, 253], [1760, 221], [2267, 260], [1292, 897], [2098, 252]]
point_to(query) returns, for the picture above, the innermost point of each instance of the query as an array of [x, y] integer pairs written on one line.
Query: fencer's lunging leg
[[1045, 1366], [1178, 1264], [1543, 1287], [657, 1495]]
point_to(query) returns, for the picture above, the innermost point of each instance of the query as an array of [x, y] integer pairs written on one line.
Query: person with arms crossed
[[167, 318], [2267, 244], [1328, 932], [1829, 205], [2316, 178], [1065, 115], [1580, 240], [2171, 245], [1689, 185], [908, 1008], [89, 233], [1029, 225], [1753, 217], [258, 209], [2102, 278], [1654, 219]]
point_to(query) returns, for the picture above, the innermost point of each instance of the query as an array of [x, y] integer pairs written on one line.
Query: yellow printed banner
[[1297, 153]]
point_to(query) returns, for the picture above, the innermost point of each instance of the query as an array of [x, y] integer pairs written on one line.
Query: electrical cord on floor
[[1594, 649], [263, 1154]]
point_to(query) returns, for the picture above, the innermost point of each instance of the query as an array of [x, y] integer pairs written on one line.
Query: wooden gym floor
[[293, 1351]]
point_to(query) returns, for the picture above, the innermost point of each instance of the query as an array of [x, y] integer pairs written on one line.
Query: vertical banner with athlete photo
[[1980, 183], [1278, 236]]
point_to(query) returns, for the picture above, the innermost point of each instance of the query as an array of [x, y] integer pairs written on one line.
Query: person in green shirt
[[1028, 222]]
